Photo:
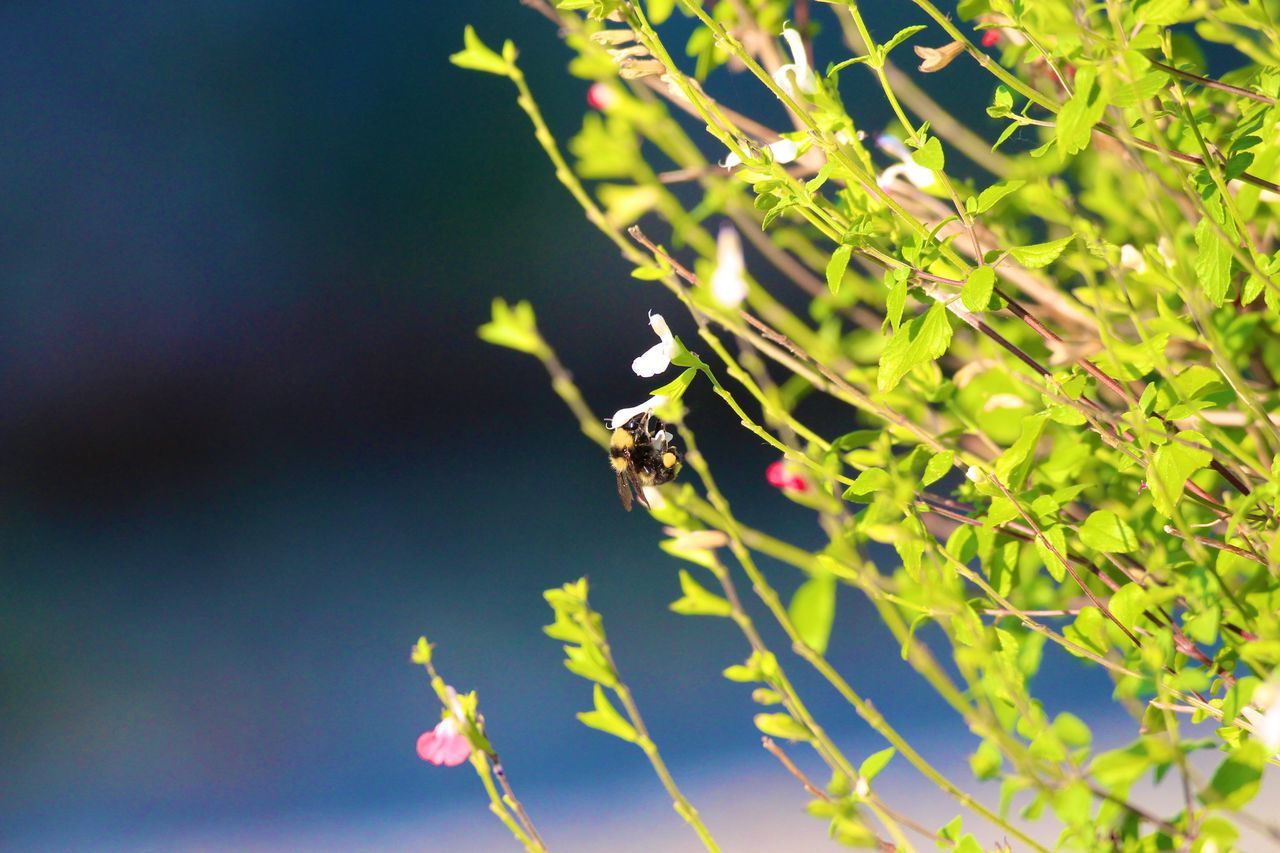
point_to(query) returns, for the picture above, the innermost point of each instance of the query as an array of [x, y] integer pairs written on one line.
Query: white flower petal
[[661, 329], [1131, 259], [621, 416], [784, 151], [909, 169], [893, 146], [728, 282], [732, 161], [656, 359], [918, 176], [805, 80]]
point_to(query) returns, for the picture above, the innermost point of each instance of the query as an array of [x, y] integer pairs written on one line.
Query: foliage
[[1061, 348]]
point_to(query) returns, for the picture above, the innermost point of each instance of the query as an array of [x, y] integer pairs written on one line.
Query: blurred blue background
[[252, 449]]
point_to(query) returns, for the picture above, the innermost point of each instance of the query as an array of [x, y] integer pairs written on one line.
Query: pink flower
[[601, 97], [990, 38], [445, 744], [781, 477]]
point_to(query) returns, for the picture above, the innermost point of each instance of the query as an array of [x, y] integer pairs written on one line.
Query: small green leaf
[[896, 299], [606, 718], [781, 725], [938, 467], [1014, 464], [1128, 603], [930, 155], [867, 482], [1237, 779], [836, 267], [1074, 125], [1001, 103], [992, 195], [899, 37], [1051, 560], [675, 389], [1161, 13], [1213, 262], [1171, 466], [421, 654], [1108, 532], [813, 611], [918, 341], [874, 763], [512, 326], [648, 273], [697, 600], [976, 293], [477, 56], [1041, 254]]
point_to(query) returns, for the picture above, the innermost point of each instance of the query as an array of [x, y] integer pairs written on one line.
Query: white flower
[[621, 416], [805, 80], [782, 151], [729, 281], [658, 357], [1131, 259], [1266, 717], [909, 169]]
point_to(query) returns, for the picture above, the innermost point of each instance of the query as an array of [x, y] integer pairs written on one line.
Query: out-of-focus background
[[252, 449]]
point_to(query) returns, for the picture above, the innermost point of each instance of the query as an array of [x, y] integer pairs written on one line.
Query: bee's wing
[[634, 478], [624, 489]]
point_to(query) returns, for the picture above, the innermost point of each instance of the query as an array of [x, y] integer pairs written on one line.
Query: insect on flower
[[642, 452]]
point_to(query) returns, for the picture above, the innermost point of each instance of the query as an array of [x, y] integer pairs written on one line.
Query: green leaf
[[606, 718], [813, 611], [985, 762], [781, 725], [873, 764], [1237, 779], [675, 389], [836, 267], [1162, 12], [512, 326], [587, 662], [1106, 531], [899, 37], [1071, 730], [1074, 126], [938, 467], [896, 299], [917, 342], [1213, 262], [1001, 103], [1171, 466], [1128, 603], [867, 482], [697, 600], [477, 57], [1058, 540], [976, 293], [930, 155], [1041, 254], [1014, 464], [992, 195], [421, 654]]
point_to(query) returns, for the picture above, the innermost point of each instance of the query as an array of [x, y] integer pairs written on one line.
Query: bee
[[642, 453]]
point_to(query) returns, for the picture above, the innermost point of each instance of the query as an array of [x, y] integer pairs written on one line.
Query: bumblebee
[[642, 454]]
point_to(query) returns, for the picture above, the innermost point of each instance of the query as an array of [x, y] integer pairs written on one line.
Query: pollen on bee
[[668, 460], [619, 463], [621, 440]]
